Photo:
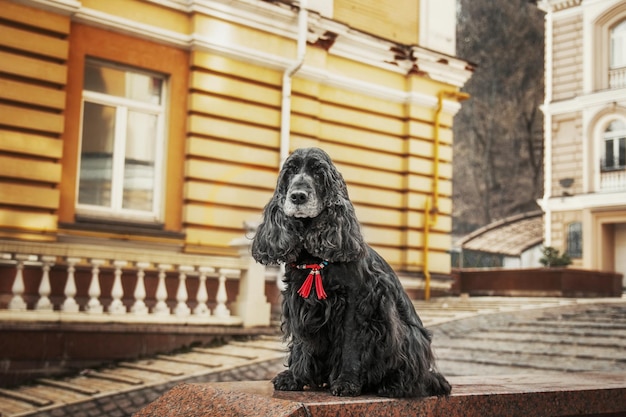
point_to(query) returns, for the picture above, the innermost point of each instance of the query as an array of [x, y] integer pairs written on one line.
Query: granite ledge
[[584, 394]]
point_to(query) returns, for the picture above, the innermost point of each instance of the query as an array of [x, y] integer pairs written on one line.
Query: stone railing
[[613, 180], [617, 77], [70, 282]]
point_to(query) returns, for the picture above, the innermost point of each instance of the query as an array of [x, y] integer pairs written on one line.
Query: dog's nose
[[298, 197]]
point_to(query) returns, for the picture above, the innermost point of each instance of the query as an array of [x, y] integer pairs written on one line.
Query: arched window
[[618, 45], [609, 48], [575, 240], [614, 146]]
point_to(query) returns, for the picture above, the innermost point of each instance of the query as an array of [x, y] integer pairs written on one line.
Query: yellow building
[[160, 125], [137, 137]]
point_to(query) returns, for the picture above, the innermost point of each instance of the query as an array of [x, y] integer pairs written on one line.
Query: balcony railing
[[617, 77], [613, 180], [60, 281]]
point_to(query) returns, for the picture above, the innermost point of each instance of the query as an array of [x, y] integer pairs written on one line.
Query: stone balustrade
[[613, 180], [617, 77], [63, 281]]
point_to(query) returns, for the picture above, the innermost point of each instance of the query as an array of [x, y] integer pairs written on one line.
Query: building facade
[[161, 124], [585, 131]]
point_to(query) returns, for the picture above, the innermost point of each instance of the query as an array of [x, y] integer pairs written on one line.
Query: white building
[[585, 131]]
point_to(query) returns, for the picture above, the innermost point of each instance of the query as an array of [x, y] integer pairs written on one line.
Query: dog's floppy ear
[[335, 235], [278, 238]]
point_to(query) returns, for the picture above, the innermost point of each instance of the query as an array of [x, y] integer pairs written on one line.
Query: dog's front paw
[[439, 386], [285, 381], [342, 388]]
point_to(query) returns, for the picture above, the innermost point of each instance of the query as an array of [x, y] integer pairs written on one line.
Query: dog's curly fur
[[366, 336]]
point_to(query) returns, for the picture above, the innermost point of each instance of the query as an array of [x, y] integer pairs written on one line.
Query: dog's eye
[[293, 163], [318, 173]]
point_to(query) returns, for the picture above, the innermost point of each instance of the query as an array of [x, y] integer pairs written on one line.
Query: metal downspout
[[285, 115], [547, 131], [431, 206]]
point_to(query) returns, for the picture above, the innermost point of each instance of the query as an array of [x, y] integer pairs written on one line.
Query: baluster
[[117, 291], [44, 302], [93, 305], [202, 296], [280, 274], [222, 297], [182, 309], [251, 304], [17, 302], [139, 306], [161, 308], [70, 305]]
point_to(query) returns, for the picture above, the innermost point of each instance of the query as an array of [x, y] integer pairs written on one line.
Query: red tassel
[[319, 288], [305, 289]]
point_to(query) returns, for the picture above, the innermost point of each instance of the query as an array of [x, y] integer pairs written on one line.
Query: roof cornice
[[280, 18], [557, 5]]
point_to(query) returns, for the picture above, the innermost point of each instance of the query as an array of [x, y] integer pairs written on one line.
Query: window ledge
[[122, 228]]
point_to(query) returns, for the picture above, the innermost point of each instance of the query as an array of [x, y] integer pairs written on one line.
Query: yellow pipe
[[431, 206], [427, 208]]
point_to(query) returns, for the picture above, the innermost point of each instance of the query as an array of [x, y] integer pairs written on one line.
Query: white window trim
[[123, 105], [598, 146], [613, 36], [615, 137]]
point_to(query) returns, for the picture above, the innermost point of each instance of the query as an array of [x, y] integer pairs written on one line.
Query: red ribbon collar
[[314, 274]]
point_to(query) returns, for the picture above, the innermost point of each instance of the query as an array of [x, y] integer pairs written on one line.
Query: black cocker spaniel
[[349, 323]]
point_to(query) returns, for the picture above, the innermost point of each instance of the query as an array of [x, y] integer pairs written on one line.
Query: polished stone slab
[[584, 394]]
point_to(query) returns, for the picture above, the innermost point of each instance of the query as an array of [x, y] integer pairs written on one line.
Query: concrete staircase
[[125, 386], [573, 338]]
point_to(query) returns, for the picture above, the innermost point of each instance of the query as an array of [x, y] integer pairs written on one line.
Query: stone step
[[441, 310], [582, 324], [519, 362], [127, 376], [539, 348], [463, 368], [606, 340], [580, 328]]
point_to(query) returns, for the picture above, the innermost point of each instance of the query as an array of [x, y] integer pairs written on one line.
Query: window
[[618, 45], [617, 52], [122, 139], [614, 146], [609, 48], [575, 240]]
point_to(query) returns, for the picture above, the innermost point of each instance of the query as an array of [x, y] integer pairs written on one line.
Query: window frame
[[571, 236], [601, 62], [123, 106], [96, 43], [616, 138], [622, 38]]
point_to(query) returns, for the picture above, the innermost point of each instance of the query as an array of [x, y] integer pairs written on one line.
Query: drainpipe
[[285, 116], [547, 131], [431, 206]]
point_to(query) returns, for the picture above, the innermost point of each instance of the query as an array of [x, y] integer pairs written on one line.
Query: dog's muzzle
[[302, 200]]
